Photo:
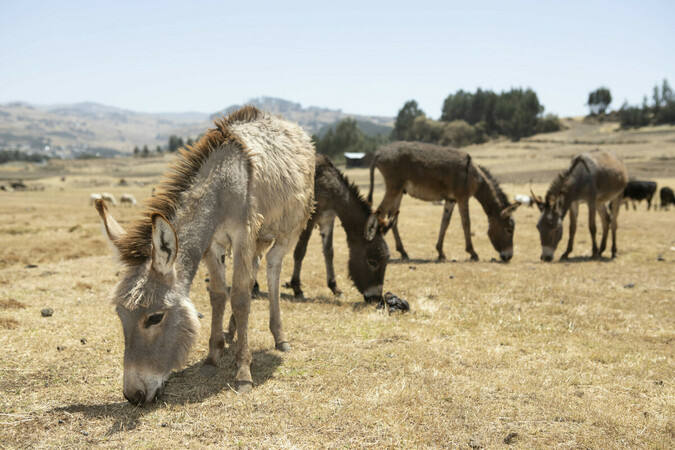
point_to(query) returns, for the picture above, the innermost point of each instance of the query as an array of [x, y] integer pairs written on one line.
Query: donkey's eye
[[154, 319], [373, 263]]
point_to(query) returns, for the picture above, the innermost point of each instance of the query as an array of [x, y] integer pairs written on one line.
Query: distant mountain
[[66, 130], [313, 119]]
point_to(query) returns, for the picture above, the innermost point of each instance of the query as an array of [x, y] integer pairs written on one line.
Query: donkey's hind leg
[[397, 236], [215, 262], [274, 258], [326, 225], [298, 256], [445, 221], [604, 216]]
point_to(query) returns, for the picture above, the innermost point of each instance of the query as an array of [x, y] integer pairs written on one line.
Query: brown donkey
[[434, 173], [368, 256], [248, 184], [595, 178]]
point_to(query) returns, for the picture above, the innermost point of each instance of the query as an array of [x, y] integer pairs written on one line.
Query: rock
[[200, 315], [47, 312], [660, 258], [83, 341], [629, 285], [60, 347], [31, 266], [510, 438], [451, 277], [394, 303], [412, 267], [579, 393], [475, 443], [164, 425]]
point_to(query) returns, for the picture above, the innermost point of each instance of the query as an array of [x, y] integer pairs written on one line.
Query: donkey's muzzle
[[373, 298], [547, 258], [138, 399]]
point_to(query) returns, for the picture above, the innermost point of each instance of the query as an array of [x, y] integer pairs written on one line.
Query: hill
[[66, 130]]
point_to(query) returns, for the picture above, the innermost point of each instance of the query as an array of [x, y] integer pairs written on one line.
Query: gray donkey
[[248, 184], [434, 173], [595, 178], [368, 252]]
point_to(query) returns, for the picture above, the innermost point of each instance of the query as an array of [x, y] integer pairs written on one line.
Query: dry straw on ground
[[576, 354]]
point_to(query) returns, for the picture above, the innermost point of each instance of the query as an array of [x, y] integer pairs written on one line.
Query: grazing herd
[[253, 186]]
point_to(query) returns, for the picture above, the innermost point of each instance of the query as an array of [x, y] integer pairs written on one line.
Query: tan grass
[[526, 353]]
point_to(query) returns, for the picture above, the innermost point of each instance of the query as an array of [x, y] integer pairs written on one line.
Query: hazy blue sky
[[363, 57]]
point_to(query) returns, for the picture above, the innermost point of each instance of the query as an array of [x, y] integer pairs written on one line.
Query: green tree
[[137, 151], [175, 143], [146, 151], [599, 100], [159, 150], [405, 119]]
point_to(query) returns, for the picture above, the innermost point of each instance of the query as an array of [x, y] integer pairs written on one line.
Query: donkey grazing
[[433, 173], [248, 184], [368, 252], [595, 177]]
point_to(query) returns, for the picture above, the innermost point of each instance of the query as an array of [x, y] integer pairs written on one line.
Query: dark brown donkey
[[434, 173], [368, 256], [595, 178]]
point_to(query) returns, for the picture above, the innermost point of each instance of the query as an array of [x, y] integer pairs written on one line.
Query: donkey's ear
[[506, 212], [372, 224], [164, 244], [110, 227], [390, 223], [537, 200]]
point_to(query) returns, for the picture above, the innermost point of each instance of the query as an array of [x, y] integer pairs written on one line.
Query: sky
[[362, 57]]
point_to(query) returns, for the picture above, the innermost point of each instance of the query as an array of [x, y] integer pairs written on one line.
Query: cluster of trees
[[469, 118], [16, 155], [175, 142], [346, 136], [661, 111]]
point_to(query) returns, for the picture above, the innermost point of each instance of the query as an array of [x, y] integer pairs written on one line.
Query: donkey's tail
[[468, 164], [372, 179]]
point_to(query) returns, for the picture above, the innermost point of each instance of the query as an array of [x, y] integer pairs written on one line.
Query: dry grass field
[[578, 354]]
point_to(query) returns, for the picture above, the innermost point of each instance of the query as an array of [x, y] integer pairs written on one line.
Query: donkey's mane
[[135, 246], [558, 184], [501, 196], [353, 189]]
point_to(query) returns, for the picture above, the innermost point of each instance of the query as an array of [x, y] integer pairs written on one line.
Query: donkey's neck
[[486, 194], [352, 213], [198, 215]]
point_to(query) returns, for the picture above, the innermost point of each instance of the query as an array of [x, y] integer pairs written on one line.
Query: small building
[[356, 159]]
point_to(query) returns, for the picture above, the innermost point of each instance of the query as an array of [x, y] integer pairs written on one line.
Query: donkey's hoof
[[243, 387], [208, 369], [564, 257], [283, 346], [474, 258]]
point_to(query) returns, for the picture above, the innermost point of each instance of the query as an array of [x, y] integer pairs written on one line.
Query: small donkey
[[595, 178], [248, 184], [368, 252]]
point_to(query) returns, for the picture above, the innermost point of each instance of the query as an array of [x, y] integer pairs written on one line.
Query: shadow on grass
[[184, 387], [582, 259]]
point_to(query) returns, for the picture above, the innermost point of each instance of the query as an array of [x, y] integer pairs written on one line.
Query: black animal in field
[[639, 190], [667, 197]]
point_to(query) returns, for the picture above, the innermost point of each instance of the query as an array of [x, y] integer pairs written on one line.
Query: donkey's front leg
[[215, 262], [466, 225], [592, 227], [605, 218], [274, 259], [574, 212], [615, 206]]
